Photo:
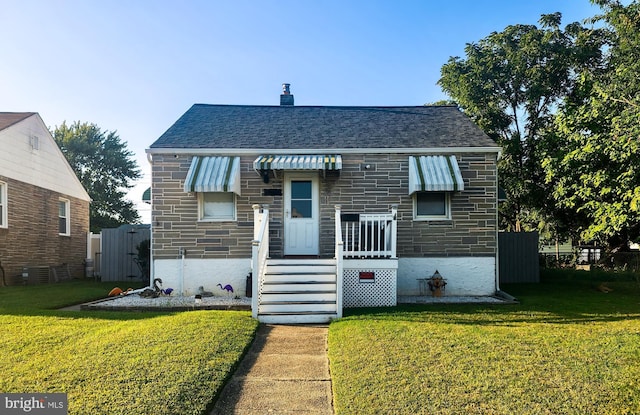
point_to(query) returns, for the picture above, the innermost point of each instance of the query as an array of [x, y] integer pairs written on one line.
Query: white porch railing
[[369, 235], [259, 254], [339, 256]]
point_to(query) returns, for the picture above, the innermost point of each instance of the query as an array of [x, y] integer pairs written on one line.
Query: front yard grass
[[116, 362], [565, 349]]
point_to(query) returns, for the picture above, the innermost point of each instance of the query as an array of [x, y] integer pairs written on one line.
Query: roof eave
[[254, 151]]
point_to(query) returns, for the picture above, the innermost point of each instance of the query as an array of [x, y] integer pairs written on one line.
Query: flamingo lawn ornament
[[228, 288], [118, 291]]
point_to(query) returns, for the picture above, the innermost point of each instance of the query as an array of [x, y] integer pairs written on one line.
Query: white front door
[[301, 214]]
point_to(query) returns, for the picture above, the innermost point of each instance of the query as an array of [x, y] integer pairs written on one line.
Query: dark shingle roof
[[7, 119], [298, 127]]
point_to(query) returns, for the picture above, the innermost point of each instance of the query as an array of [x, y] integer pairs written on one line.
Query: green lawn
[[565, 349], [116, 362]]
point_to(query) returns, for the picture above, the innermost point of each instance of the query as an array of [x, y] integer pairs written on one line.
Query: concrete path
[[286, 371]]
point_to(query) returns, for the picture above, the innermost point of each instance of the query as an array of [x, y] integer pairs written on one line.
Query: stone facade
[[367, 183], [32, 237]]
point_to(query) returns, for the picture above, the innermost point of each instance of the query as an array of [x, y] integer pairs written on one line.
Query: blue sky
[[136, 66]]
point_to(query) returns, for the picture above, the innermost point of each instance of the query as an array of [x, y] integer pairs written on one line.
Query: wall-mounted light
[[265, 176]]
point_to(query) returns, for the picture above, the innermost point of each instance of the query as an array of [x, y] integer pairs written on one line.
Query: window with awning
[[146, 196], [434, 174], [298, 162], [213, 174]]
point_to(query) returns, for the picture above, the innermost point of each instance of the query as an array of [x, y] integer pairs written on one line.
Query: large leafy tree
[[595, 166], [105, 167], [510, 83]]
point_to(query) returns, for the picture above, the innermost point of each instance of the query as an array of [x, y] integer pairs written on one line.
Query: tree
[[105, 168], [510, 84], [594, 167], [443, 103]]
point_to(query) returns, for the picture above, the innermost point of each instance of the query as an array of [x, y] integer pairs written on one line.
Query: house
[[326, 207], [44, 209]]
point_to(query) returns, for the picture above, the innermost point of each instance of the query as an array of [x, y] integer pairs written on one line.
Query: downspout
[[182, 252], [88, 261], [151, 264], [497, 228]]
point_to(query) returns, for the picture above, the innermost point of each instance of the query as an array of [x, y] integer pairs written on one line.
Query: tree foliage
[[510, 83], [106, 169], [594, 166]]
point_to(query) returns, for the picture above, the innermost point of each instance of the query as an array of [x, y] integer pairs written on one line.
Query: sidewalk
[[286, 371]]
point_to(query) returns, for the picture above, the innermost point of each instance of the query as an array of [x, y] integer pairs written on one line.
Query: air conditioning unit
[[36, 274]]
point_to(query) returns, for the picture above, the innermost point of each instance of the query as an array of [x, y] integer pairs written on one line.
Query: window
[[301, 199], [217, 206], [3, 205], [431, 205], [63, 217]]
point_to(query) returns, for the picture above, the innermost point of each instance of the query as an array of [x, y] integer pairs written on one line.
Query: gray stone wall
[[367, 183], [175, 222], [373, 183]]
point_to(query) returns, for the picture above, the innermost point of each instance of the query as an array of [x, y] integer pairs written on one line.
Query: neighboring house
[[44, 209], [382, 197]]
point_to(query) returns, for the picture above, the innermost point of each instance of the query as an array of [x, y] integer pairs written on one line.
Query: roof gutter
[[256, 151]]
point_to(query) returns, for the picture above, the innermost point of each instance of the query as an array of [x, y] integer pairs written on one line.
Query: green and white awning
[[146, 196], [213, 174], [298, 162], [434, 174]]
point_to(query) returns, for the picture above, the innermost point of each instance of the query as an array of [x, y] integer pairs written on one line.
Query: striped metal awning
[[213, 174], [298, 162], [146, 196], [434, 174]]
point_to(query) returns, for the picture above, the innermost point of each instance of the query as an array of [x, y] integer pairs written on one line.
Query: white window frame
[[4, 206], [67, 216], [201, 209], [447, 208]]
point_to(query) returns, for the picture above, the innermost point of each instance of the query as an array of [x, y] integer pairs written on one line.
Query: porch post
[[255, 249], [339, 257], [256, 220], [255, 260], [394, 230]]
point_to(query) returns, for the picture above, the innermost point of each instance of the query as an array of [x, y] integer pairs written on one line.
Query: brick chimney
[[286, 98]]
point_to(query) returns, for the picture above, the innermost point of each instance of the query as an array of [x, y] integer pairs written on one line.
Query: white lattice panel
[[379, 292]]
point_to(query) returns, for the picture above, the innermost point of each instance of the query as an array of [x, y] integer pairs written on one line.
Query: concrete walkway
[[286, 371]]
